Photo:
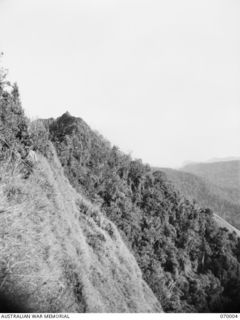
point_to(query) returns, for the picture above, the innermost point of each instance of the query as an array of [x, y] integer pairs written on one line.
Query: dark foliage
[[13, 123], [17, 134], [190, 264]]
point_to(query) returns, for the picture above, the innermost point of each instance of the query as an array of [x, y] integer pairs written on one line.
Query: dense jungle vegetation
[[190, 263]]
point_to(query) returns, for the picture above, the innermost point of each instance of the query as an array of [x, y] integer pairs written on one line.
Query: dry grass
[[58, 252]]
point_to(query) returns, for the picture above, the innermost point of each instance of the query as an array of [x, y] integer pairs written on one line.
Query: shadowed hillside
[[222, 200], [190, 263]]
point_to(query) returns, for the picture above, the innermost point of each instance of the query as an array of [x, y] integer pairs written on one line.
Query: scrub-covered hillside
[[190, 263], [58, 253]]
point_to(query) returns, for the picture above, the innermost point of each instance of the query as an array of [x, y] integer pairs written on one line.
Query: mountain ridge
[[147, 210], [222, 173], [73, 240], [58, 253], [85, 228]]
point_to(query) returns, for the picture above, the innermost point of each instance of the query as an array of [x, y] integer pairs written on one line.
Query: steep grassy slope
[[223, 201], [58, 253], [190, 263]]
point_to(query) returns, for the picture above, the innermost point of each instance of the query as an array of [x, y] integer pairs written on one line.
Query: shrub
[[39, 136]]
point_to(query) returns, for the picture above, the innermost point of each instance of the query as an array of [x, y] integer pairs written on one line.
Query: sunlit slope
[[224, 224], [58, 253]]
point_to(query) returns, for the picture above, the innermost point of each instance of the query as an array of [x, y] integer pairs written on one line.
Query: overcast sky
[[158, 78]]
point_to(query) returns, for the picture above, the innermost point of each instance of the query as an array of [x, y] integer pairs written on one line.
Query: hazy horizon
[[159, 79]]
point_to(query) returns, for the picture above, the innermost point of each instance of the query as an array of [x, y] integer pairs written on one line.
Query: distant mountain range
[[224, 174], [216, 159], [215, 185]]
